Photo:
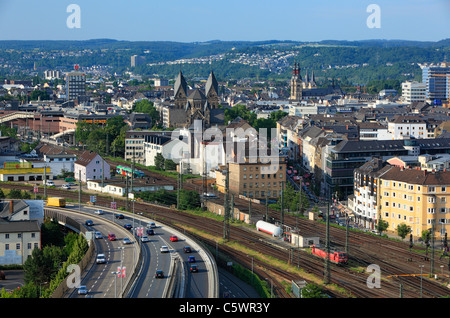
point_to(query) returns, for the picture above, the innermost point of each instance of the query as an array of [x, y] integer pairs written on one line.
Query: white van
[[49, 183]]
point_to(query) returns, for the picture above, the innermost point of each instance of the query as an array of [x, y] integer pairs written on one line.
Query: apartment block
[[417, 198]]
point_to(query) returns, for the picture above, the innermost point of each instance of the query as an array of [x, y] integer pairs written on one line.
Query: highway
[[102, 283]]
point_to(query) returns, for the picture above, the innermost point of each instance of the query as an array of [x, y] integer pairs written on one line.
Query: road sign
[[114, 205], [93, 198], [35, 189], [121, 271]]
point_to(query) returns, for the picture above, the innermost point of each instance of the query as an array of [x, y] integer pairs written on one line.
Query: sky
[[230, 20]]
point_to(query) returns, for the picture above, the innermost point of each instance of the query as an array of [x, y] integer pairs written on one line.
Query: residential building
[[20, 229], [365, 199], [287, 130], [90, 166], [411, 126], [417, 198], [257, 180]]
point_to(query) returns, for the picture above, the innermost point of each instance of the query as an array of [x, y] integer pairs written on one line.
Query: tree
[[159, 161], [313, 291], [189, 200], [382, 226], [169, 165], [403, 230]]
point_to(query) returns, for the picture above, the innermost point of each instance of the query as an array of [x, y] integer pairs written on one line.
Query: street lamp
[[115, 278]]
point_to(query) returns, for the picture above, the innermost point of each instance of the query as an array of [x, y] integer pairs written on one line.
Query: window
[[431, 189]]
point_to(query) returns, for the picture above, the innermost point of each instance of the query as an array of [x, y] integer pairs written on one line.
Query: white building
[[20, 229], [405, 127], [91, 167], [413, 92]]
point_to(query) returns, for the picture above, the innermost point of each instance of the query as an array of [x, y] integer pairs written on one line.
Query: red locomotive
[[334, 256]]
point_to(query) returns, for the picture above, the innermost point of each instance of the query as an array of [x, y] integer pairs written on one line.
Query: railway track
[[365, 249]]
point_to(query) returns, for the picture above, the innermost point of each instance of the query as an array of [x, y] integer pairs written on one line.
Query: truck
[[59, 202]]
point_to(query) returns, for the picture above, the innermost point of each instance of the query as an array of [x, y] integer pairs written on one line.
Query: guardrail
[[88, 258]]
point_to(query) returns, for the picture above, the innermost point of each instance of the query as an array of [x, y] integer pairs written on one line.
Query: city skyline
[[202, 21]]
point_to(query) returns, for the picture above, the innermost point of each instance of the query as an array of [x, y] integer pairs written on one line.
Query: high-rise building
[[75, 85], [137, 60], [413, 92], [437, 81]]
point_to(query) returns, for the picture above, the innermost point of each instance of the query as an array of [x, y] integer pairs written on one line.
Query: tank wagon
[[269, 228]]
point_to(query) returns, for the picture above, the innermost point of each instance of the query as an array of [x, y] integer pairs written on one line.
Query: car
[[191, 259], [128, 226], [99, 212], [193, 268], [98, 235], [187, 249], [150, 232], [144, 238], [174, 238], [159, 274], [82, 290], [126, 240], [120, 216], [112, 236], [151, 225], [101, 259], [66, 186], [89, 222], [49, 183], [72, 184], [164, 249]]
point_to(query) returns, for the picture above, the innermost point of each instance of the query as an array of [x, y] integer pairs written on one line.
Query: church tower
[[180, 91], [296, 84]]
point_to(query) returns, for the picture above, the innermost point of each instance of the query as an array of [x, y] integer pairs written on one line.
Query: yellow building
[[23, 171], [417, 198], [253, 180]]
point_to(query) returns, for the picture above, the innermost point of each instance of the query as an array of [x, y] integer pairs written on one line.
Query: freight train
[[336, 257]]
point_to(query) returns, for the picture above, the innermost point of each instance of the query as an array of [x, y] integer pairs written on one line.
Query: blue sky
[[201, 20]]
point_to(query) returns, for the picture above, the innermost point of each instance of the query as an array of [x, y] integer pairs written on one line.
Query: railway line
[[394, 258]]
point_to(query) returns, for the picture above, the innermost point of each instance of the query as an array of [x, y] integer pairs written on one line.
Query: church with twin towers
[[189, 105]]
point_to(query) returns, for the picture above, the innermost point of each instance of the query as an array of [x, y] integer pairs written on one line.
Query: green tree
[[15, 194], [51, 233], [313, 291], [382, 226], [189, 200], [159, 161], [403, 230]]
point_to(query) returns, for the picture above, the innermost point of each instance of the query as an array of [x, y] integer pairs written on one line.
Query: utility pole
[[282, 208], [180, 183], [79, 190], [327, 247], [45, 181], [432, 249], [226, 221]]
